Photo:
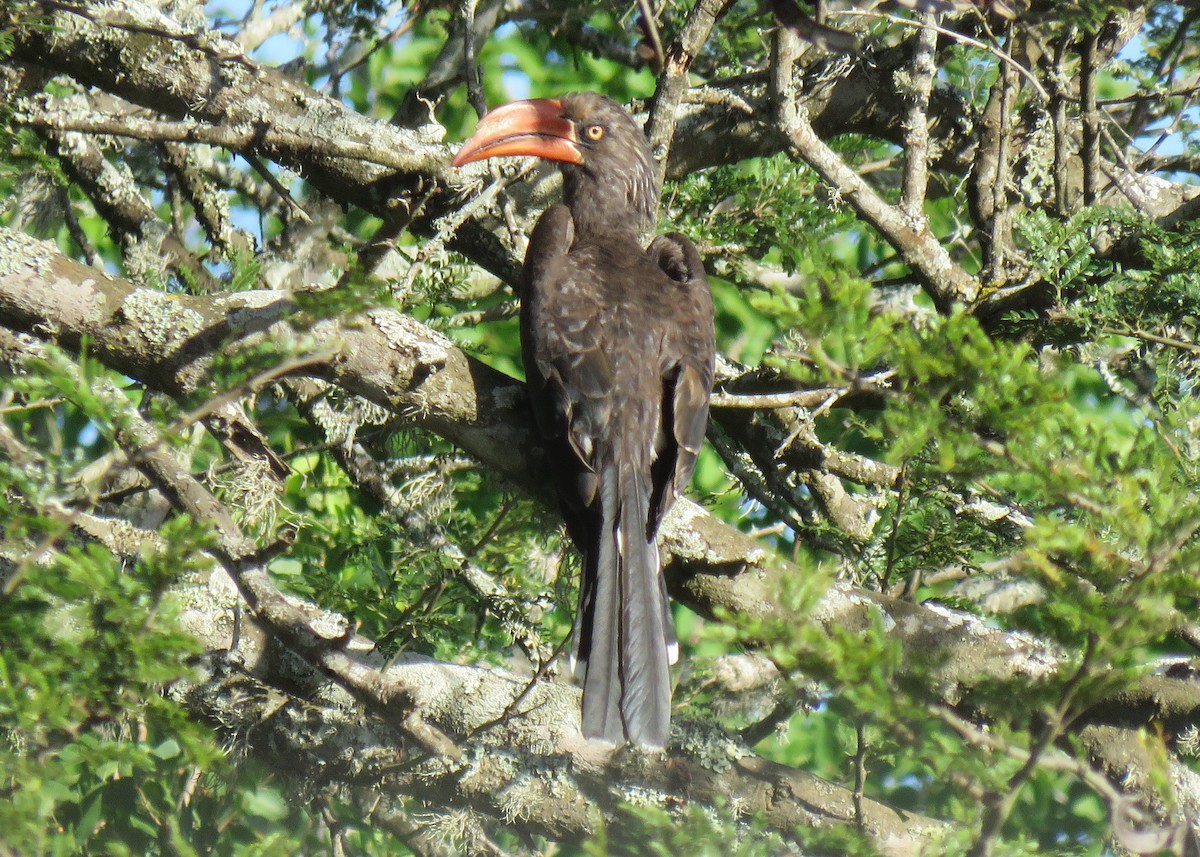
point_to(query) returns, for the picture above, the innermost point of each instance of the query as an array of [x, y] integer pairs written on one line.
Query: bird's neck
[[593, 223], [606, 205]]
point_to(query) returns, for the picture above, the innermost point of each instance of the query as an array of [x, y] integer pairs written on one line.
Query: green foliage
[[765, 210], [96, 757], [1105, 487], [378, 569]]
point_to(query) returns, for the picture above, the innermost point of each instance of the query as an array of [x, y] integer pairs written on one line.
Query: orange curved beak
[[533, 127]]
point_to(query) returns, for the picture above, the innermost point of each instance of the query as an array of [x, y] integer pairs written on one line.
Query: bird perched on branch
[[618, 347]]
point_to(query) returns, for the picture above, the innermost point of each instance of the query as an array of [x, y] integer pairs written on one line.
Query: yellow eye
[[593, 133]]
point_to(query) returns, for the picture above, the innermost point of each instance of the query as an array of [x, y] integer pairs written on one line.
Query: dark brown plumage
[[618, 348]]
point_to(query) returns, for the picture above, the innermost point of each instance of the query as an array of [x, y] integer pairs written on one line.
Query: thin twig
[[371, 256], [860, 771], [277, 186], [1000, 228], [1158, 339], [753, 480], [1091, 120], [998, 805], [650, 27], [252, 385], [790, 399], [471, 68], [73, 226], [450, 225], [415, 11], [916, 145], [1055, 760], [1062, 136]]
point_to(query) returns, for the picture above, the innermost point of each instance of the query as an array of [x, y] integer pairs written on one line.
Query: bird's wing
[[566, 365], [688, 360]]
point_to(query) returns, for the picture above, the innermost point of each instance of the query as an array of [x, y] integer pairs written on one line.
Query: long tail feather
[[646, 675], [625, 637], [599, 628]]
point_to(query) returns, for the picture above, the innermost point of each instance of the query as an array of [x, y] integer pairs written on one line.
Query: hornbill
[[618, 348]]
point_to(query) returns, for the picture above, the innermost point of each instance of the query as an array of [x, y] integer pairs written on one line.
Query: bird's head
[[606, 163]]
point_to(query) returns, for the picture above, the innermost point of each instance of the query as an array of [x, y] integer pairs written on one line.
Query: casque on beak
[[533, 127]]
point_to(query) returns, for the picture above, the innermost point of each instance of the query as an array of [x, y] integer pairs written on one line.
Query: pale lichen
[[406, 335], [163, 321], [638, 796], [207, 605], [459, 829], [682, 531], [712, 748], [523, 798]]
